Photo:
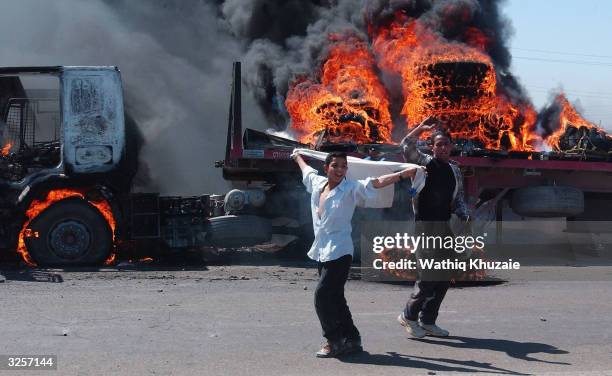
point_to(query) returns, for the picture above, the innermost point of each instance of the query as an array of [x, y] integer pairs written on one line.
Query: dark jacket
[[413, 155]]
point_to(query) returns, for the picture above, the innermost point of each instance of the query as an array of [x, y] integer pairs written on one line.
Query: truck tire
[[548, 201], [70, 232], [235, 231]]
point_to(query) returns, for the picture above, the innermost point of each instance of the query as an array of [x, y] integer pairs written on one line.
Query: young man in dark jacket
[[433, 206]]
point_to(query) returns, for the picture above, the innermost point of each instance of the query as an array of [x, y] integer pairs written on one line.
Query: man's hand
[[411, 172], [385, 180], [294, 154], [428, 124]]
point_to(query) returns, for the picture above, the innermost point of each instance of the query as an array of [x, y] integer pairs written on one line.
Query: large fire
[[349, 103], [455, 82], [38, 206]]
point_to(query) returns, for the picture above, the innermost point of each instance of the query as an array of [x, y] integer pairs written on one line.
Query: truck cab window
[[30, 125]]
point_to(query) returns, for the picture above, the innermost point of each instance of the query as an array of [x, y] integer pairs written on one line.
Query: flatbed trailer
[[489, 176]]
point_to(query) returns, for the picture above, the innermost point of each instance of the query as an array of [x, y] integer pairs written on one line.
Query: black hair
[[437, 133], [335, 154]]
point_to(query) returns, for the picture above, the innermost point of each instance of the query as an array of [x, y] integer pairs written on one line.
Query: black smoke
[[285, 39], [176, 62], [549, 117], [288, 39]]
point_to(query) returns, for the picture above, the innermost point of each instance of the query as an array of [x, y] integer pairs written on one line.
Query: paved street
[[260, 320]]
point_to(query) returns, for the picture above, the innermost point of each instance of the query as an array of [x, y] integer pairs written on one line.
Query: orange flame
[[6, 149], [38, 206], [347, 101], [568, 116], [455, 83], [111, 259]]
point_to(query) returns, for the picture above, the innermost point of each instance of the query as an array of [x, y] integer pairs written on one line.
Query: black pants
[[330, 304], [425, 301], [431, 287]]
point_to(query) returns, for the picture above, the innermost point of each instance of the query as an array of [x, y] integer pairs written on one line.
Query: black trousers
[[431, 287], [424, 303], [330, 304]]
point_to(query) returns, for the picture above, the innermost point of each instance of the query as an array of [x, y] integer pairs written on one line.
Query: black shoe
[[352, 345], [331, 349]]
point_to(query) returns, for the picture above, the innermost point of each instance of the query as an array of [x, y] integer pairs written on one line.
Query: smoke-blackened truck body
[[64, 167], [69, 155]]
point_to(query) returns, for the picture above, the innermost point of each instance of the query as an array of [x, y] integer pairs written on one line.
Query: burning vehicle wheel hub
[[69, 239], [69, 232]]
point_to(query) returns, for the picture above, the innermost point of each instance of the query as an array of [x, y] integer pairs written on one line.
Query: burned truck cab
[[62, 142]]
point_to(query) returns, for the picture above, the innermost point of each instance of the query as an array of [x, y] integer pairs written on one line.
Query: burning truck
[[68, 153], [69, 158]]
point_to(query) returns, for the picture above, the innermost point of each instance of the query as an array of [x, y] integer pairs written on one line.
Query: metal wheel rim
[[69, 239]]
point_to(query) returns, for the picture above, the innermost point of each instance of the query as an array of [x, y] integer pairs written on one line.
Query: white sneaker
[[412, 327], [433, 330]]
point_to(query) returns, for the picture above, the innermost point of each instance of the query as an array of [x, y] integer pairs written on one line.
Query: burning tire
[[548, 201], [235, 231], [70, 232]]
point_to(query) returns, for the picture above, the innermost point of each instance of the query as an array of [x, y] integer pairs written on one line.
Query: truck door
[[93, 120]]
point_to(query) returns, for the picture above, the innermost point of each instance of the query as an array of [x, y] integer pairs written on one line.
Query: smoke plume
[[175, 59], [278, 52]]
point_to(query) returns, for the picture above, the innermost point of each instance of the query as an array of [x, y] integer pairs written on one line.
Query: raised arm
[[409, 148], [300, 161], [310, 177], [385, 180]]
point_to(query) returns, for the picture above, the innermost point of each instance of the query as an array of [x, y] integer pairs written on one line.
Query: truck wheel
[[548, 201], [70, 232], [235, 231]]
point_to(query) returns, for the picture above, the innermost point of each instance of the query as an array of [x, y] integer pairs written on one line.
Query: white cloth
[[362, 169]]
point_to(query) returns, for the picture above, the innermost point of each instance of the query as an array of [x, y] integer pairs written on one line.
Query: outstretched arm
[[385, 180]]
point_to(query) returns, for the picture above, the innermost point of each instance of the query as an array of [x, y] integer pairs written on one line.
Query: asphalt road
[[260, 320]]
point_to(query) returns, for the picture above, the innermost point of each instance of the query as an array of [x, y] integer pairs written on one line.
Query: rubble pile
[[585, 139]]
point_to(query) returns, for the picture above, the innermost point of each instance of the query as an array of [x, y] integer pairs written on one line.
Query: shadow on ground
[[514, 349], [394, 359]]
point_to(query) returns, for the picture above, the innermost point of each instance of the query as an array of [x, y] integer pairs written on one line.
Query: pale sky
[[565, 44]]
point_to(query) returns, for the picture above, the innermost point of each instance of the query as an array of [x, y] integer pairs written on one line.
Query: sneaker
[[352, 345], [331, 349], [434, 330], [412, 327]]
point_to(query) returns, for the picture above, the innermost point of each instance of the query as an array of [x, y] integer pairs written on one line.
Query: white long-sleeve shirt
[[333, 229]]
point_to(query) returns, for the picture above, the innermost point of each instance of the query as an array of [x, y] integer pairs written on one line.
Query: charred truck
[[69, 155], [68, 159]]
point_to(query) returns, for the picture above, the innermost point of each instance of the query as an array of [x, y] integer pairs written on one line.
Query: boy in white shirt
[[333, 201]]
